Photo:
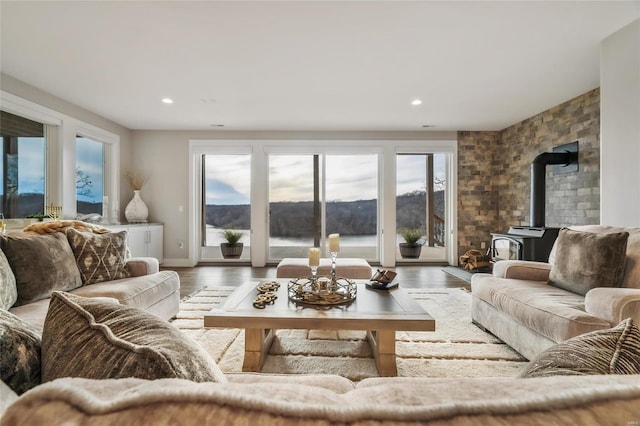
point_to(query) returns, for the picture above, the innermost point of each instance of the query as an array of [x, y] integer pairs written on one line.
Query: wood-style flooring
[[193, 279]]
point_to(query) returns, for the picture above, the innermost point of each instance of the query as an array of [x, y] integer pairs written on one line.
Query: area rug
[[457, 348], [462, 273]]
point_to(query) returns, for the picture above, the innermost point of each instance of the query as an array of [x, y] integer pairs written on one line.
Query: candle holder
[[54, 212], [322, 293], [314, 274], [334, 256]]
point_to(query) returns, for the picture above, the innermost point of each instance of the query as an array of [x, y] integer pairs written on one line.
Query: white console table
[[143, 239]]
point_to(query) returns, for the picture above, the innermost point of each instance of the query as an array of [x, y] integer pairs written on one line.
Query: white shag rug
[[457, 348]]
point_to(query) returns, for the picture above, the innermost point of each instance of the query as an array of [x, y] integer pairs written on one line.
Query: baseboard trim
[[177, 263]]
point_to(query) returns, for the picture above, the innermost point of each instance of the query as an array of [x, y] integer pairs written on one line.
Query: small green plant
[[40, 216], [411, 236], [232, 236]]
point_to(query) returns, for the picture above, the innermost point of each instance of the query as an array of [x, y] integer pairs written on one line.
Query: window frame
[[260, 150], [60, 135]]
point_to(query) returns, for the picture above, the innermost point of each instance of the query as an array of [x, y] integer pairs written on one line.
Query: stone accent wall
[[571, 198], [494, 172], [477, 197]]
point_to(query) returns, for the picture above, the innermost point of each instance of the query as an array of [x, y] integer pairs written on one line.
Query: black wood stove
[[534, 242]]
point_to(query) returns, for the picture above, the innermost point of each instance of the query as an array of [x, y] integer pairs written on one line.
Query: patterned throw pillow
[[19, 353], [585, 260], [100, 257], [84, 337], [8, 290], [612, 351], [40, 264]]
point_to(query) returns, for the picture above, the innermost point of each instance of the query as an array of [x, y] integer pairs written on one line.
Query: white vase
[[136, 210]]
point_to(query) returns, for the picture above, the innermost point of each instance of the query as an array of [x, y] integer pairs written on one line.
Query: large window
[[304, 190], [89, 175], [226, 200], [52, 159], [311, 196], [420, 206], [23, 166]]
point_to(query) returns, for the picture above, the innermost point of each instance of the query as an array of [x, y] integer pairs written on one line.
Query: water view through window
[[226, 200], [311, 196]]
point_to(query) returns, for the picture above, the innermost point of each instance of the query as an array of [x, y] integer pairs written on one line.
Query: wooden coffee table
[[381, 313]]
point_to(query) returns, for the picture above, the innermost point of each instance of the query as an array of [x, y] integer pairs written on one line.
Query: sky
[[228, 179], [31, 166], [89, 159], [349, 177]]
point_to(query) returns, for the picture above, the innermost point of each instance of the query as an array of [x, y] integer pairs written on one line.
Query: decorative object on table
[[232, 249], [324, 291], [474, 260], [334, 248], [267, 294], [314, 262], [382, 280], [54, 212], [136, 211], [412, 247]]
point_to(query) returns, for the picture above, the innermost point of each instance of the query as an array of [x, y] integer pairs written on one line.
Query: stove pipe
[[538, 178]]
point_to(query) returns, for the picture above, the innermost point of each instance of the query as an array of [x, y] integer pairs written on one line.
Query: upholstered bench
[[353, 268]]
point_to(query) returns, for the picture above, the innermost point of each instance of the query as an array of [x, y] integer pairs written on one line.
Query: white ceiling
[[304, 65]]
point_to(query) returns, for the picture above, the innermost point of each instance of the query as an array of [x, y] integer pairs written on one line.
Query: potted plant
[[412, 245], [232, 249]]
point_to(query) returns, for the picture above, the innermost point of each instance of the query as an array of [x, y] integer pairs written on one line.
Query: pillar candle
[[334, 243], [314, 256]]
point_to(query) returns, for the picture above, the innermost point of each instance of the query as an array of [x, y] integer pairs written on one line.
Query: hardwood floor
[[193, 279]]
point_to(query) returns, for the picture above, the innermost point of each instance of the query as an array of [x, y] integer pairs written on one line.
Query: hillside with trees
[[295, 219]]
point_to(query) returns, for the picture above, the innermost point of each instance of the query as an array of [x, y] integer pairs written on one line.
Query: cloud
[[219, 192], [348, 177]]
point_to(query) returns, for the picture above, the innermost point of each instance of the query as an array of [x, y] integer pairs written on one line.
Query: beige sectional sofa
[[37, 264], [98, 362], [520, 304], [250, 399]]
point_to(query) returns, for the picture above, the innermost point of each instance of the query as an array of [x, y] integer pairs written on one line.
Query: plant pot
[[231, 251], [410, 252]]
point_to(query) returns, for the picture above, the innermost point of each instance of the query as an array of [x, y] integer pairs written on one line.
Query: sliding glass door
[[292, 191], [313, 195], [352, 203], [226, 205], [420, 206]]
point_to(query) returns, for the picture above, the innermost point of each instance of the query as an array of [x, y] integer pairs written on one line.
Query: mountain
[[295, 219]]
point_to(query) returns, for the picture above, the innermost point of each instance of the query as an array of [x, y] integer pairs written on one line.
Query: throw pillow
[[19, 353], [84, 337], [8, 290], [100, 257], [612, 351], [585, 260], [40, 264]]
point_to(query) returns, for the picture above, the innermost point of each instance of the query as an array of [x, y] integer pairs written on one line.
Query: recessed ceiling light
[[217, 125], [167, 100], [416, 102], [428, 125]]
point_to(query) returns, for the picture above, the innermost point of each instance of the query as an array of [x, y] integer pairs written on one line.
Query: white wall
[[620, 127]]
